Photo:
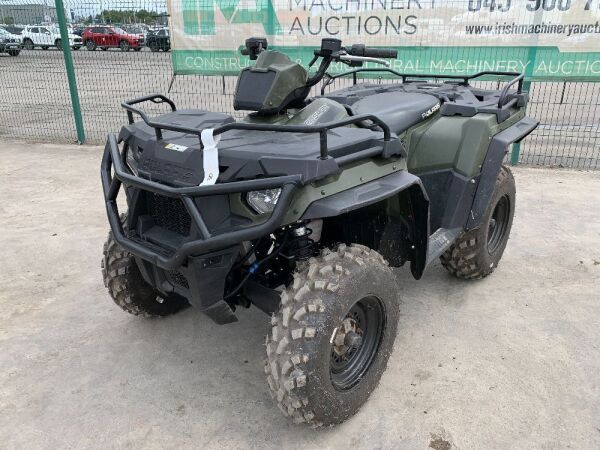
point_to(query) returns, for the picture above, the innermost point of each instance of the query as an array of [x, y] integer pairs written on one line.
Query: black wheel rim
[[498, 225], [349, 363]]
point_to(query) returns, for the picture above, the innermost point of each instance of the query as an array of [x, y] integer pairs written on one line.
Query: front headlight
[[263, 201]]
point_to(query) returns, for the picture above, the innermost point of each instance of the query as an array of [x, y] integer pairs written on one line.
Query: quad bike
[[301, 208]]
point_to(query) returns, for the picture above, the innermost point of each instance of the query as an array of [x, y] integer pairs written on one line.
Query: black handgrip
[[381, 53], [361, 50]]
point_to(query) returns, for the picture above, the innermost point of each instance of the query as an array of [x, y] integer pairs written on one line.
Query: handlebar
[[331, 50], [368, 52]]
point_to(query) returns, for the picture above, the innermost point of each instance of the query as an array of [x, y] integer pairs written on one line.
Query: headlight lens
[[263, 201]]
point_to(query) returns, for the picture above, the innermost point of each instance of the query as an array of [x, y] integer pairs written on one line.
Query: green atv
[[301, 208]]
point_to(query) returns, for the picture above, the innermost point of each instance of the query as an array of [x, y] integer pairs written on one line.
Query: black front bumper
[[195, 268], [114, 173]]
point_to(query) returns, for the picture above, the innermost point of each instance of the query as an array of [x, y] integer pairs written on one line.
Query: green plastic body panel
[[351, 176], [452, 142], [289, 81], [438, 143]]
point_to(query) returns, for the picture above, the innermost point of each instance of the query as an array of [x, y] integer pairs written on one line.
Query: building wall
[[28, 13]]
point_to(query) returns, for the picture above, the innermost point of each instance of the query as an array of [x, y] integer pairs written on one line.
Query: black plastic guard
[[204, 282], [376, 191], [491, 166], [361, 196]]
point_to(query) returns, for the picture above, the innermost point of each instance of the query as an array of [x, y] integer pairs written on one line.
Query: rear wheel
[[154, 46], [127, 287], [14, 52], [90, 45], [58, 44], [28, 44], [76, 47], [477, 252], [45, 47], [332, 335]]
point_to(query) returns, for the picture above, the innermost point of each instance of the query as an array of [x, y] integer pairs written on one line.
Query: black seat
[[400, 110]]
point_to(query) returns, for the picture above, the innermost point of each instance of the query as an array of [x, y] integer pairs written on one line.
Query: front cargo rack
[[321, 129], [115, 173]]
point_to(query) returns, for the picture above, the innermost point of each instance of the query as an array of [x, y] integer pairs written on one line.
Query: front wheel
[[128, 288], [58, 44], [14, 52], [332, 335], [477, 252], [154, 46], [28, 44], [90, 45], [124, 46], [76, 47]]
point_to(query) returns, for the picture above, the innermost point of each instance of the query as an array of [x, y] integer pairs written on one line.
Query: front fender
[[397, 183]]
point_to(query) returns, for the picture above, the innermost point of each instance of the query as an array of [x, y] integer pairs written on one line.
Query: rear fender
[[491, 167]]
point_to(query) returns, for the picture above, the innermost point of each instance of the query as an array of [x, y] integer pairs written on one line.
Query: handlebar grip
[[380, 53], [361, 50]]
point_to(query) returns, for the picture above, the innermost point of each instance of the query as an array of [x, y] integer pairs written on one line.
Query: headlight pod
[[132, 160], [263, 201]]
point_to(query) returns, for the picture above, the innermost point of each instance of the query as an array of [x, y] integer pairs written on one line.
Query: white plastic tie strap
[[210, 157]]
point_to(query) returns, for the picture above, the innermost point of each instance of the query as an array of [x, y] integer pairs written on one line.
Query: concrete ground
[[508, 362]]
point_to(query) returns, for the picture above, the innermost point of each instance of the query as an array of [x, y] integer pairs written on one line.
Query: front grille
[[177, 278], [169, 213]]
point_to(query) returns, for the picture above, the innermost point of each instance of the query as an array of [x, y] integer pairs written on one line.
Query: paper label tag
[[177, 148]]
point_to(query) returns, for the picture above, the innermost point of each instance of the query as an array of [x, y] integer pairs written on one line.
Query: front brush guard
[[114, 173]]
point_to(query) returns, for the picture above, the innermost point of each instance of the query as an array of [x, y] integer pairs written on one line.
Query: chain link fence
[[36, 104]]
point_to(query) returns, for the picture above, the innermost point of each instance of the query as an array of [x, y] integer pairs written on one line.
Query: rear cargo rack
[[321, 129], [501, 107]]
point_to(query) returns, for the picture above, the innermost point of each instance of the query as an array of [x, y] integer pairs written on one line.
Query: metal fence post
[[66, 48]]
